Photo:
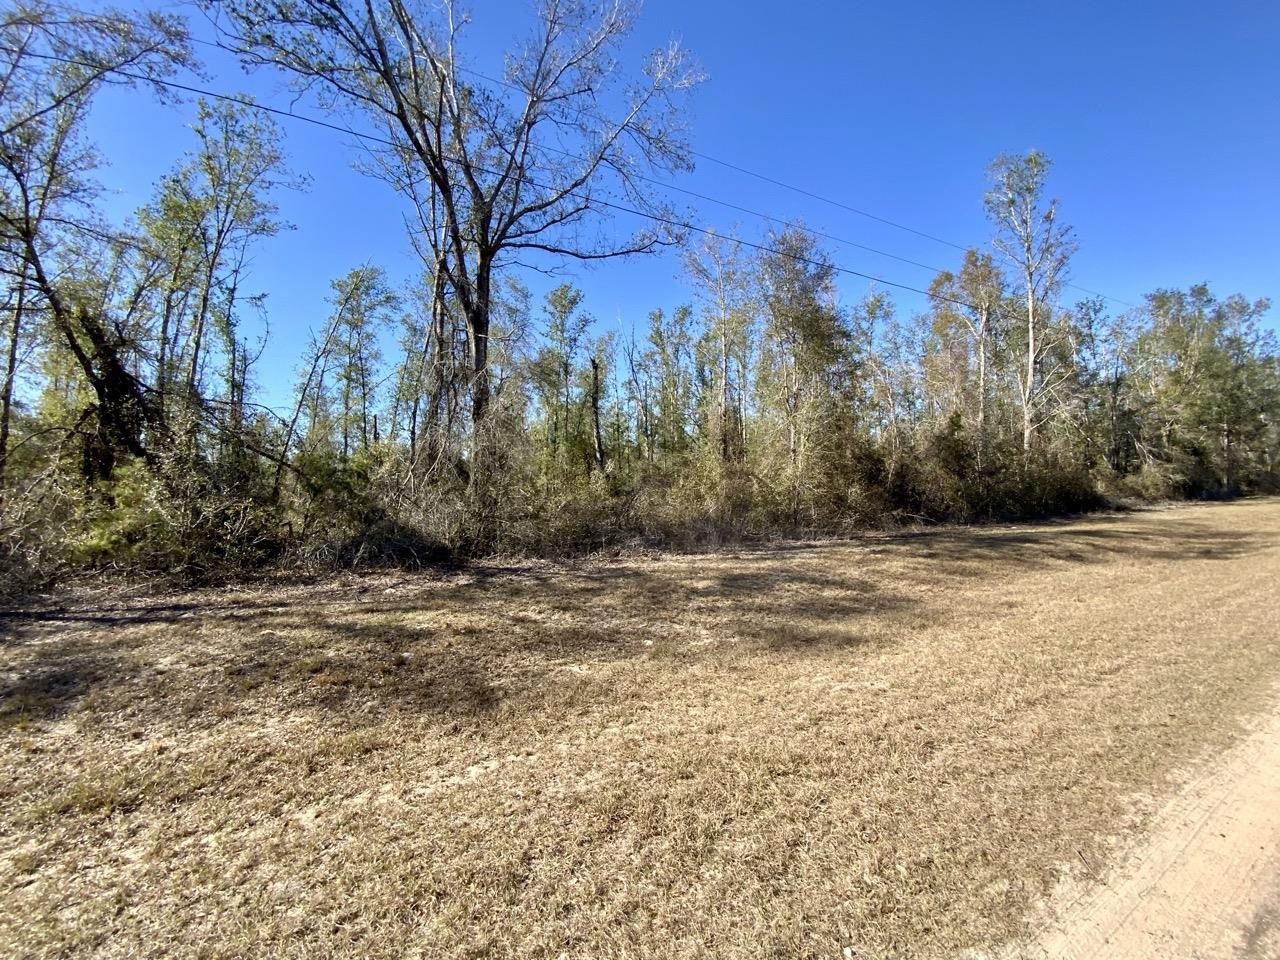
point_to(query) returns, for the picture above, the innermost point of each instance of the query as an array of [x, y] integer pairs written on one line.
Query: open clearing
[[889, 747]]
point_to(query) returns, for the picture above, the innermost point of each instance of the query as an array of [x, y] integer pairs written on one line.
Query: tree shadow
[[492, 638], [50, 690], [1104, 539]]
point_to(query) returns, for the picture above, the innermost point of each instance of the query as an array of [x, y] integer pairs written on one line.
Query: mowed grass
[[888, 747]]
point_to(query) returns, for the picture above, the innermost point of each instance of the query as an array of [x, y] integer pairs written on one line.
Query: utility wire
[[870, 216], [794, 189], [765, 178], [622, 208], [727, 204]]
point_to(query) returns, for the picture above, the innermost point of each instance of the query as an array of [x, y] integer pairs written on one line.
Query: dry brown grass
[[879, 748]]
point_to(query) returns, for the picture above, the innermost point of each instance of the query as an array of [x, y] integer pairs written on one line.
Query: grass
[[888, 747]]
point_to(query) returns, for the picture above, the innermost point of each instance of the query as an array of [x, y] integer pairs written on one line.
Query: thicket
[[421, 428]]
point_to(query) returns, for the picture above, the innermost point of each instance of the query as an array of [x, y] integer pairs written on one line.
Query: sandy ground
[[1202, 883]]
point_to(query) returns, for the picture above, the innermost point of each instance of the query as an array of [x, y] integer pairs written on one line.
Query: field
[[887, 747]]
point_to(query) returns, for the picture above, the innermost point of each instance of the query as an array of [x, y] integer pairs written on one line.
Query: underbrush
[[192, 522]]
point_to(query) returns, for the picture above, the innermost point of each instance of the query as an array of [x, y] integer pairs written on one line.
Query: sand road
[[1203, 883]]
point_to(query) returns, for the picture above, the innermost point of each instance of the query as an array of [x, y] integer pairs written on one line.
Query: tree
[[601, 364], [494, 175], [1030, 237], [51, 63], [1103, 387], [201, 226], [898, 381], [1206, 384], [365, 304], [809, 369], [725, 286], [555, 367], [426, 379], [973, 299], [669, 360], [340, 416]]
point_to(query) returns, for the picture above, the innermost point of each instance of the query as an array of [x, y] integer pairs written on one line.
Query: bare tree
[[1029, 237], [527, 166], [597, 435]]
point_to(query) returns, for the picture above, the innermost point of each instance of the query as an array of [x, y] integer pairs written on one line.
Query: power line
[[765, 178], [752, 173], [819, 197], [871, 216], [622, 208], [728, 204], [769, 218]]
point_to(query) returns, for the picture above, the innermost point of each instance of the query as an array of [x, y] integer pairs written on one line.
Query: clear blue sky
[[1162, 118]]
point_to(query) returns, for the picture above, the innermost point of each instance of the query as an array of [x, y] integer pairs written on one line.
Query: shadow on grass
[[49, 689], [495, 638], [1108, 538]]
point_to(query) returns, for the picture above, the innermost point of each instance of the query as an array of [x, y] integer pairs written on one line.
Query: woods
[[464, 415]]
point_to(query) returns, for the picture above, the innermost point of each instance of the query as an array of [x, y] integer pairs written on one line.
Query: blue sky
[[1162, 118]]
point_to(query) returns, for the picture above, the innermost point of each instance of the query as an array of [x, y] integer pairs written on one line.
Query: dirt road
[[1204, 883]]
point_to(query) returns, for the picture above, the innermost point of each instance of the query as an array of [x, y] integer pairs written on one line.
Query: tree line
[[457, 415]]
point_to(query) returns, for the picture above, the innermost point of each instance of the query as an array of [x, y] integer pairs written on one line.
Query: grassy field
[[877, 748]]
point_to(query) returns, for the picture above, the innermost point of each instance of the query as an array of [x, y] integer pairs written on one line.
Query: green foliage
[[1206, 385], [456, 420], [184, 519]]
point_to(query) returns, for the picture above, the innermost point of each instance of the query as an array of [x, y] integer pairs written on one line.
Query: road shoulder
[[1203, 882]]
